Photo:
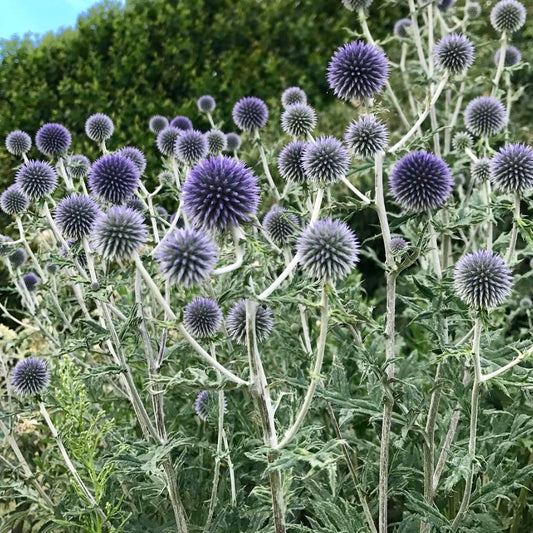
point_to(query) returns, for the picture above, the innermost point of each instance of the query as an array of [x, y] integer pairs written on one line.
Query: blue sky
[[39, 16]]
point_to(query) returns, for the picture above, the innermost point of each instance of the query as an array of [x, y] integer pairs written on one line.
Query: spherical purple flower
[[293, 95], [30, 376], [166, 177], [53, 139], [206, 104], [356, 5], [508, 16], [328, 249], [114, 178], [480, 170], [18, 257], [525, 302], [136, 204], [444, 5], [325, 161], [485, 116], [401, 28], [166, 140], [290, 162], [162, 213], [99, 127], [18, 142], [186, 257], [220, 192], [30, 281], [298, 120], [5, 248], [13, 200], [357, 70], [512, 56], [250, 113], [398, 245], [182, 123], [51, 268], [454, 53], [78, 166], [202, 317], [280, 225], [119, 233], [511, 168], [462, 140], [421, 181], [233, 142], [135, 156], [216, 142], [236, 322], [36, 179], [482, 279], [158, 123], [206, 405], [473, 10], [191, 146], [75, 215], [366, 136]]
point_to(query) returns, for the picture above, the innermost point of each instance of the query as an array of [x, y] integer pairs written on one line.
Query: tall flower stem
[[28, 249], [416, 36], [237, 235], [501, 64], [266, 168], [356, 191], [514, 231]]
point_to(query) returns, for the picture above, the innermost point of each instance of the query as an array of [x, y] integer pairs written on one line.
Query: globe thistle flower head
[[402, 28], [30, 281], [444, 5], [511, 168], [290, 162], [99, 127], [158, 123], [356, 5], [202, 317], [473, 10], [135, 156], [366, 136], [462, 140], [216, 142], [166, 140], [298, 120], [5, 248], [325, 161], [293, 95], [186, 257], [206, 104], [482, 279], [114, 178], [119, 233], [182, 123], [51, 268], [162, 213], [78, 166], [166, 177], [421, 181], [454, 53], [236, 322], [191, 146], [13, 201], [53, 139], [18, 142], [220, 192], [206, 405], [250, 113], [525, 302], [18, 257], [74, 249], [280, 225], [36, 179], [357, 71], [30, 376], [75, 216], [136, 204], [233, 142], [398, 245], [508, 16], [480, 170], [512, 56], [485, 116], [180, 223]]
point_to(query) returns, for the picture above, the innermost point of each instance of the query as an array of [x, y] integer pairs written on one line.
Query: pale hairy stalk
[[28, 249], [90, 261], [489, 225], [405, 78], [514, 232], [501, 65], [16, 320], [237, 235], [416, 36], [64, 174], [231, 470], [454, 119], [151, 210], [501, 370], [266, 168], [211, 122], [356, 191], [443, 457]]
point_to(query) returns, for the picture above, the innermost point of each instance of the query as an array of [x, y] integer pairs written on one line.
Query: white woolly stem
[[237, 235], [514, 231], [266, 168], [90, 261], [501, 64], [29, 251], [280, 279], [356, 191]]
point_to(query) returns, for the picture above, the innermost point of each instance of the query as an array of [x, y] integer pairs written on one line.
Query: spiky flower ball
[[51, 268], [298, 120], [5, 248], [220, 192], [473, 10], [30, 376], [158, 123], [135, 156], [186, 257], [119, 233], [13, 200], [191, 146], [206, 405], [293, 95], [202, 317], [250, 113], [18, 257], [508, 16], [36, 179], [421, 181], [216, 142], [357, 71], [525, 302], [290, 162], [366, 136], [482, 279], [356, 5], [236, 322], [30, 281], [114, 178], [280, 225], [454, 53], [166, 177], [233, 142], [78, 166], [136, 204], [75, 215], [206, 104], [512, 56], [99, 127], [444, 5], [328, 249], [182, 123], [53, 139], [480, 170], [511, 168], [18, 142], [325, 161], [398, 245], [485, 116], [462, 140], [402, 28], [166, 140]]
